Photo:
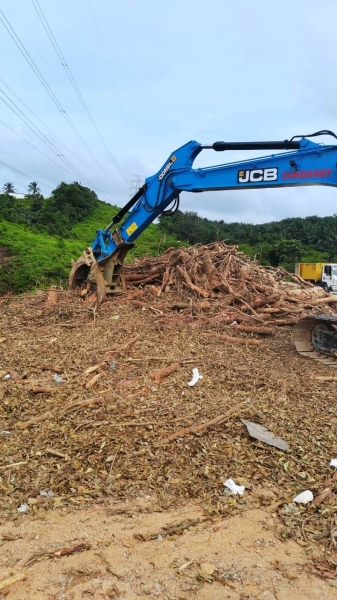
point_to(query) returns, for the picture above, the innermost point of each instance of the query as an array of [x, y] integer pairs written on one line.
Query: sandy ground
[[238, 558]]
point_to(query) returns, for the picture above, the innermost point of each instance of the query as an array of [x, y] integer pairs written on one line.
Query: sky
[[155, 75]]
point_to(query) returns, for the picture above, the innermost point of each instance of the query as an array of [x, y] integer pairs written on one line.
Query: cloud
[[233, 71]]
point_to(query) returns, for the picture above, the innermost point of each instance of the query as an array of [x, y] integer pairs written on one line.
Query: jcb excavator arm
[[303, 163]]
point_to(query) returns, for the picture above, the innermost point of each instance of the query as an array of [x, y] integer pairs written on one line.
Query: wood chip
[[258, 377], [4, 583]]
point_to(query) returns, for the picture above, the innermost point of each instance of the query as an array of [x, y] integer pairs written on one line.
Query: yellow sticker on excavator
[[131, 228]]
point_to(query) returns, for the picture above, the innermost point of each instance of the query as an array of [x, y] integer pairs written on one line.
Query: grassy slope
[[151, 241], [39, 259]]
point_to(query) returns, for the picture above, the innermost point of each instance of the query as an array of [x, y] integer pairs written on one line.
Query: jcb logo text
[[258, 175]]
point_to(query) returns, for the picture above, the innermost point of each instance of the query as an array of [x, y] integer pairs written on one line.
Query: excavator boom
[[302, 162]]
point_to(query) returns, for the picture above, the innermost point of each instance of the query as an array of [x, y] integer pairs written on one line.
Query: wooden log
[[323, 378], [189, 283], [129, 344], [266, 300], [327, 493], [317, 301], [140, 278], [11, 465], [153, 290], [57, 453], [34, 420], [290, 321], [255, 329], [247, 306], [165, 372], [201, 427], [166, 278], [123, 348]]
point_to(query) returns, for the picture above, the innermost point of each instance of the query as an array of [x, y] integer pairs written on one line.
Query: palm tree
[[8, 188], [33, 189]]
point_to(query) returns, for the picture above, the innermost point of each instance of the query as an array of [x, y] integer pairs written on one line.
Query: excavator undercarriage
[[316, 337]]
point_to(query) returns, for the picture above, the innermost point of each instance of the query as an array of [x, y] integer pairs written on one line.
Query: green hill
[[32, 257], [39, 237], [309, 239]]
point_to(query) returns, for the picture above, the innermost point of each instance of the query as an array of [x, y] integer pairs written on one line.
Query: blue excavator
[[302, 162]]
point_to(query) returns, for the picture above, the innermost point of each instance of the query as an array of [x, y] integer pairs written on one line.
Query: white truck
[[322, 274]]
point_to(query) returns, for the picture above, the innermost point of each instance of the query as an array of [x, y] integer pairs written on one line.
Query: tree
[[33, 189], [74, 201], [69, 204], [8, 188], [189, 227], [286, 251]]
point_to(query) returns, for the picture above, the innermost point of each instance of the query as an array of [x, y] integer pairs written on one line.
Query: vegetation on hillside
[[312, 239], [39, 236]]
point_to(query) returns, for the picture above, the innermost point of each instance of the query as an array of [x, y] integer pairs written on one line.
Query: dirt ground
[[238, 558], [104, 456]]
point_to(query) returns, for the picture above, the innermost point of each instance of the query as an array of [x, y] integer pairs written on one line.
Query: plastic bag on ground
[[195, 377], [235, 489], [304, 497]]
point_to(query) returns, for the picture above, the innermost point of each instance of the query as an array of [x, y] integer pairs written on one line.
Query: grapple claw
[[85, 276]]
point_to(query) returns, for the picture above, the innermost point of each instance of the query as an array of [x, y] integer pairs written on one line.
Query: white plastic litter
[[4, 432], [304, 497], [23, 507], [235, 489], [333, 462], [6, 377], [234, 323], [259, 432], [195, 378], [57, 378], [48, 493]]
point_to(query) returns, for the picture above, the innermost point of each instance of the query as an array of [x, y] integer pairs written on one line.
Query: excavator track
[[316, 337]]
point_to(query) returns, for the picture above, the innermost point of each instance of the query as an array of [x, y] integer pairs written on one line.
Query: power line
[[39, 133], [17, 171], [64, 64], [106, 62], [43, 81], [42, 57], [48, 129], [45, 140], [136, 183], [29, 143]]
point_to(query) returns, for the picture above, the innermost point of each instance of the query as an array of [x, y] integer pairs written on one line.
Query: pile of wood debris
[[95, 401], [218, 278]]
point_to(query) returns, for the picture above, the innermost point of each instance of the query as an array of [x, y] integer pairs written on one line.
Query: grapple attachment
[[316, 337], [105, 277]]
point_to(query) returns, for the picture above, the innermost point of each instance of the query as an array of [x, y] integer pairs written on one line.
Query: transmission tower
[[135, 184]]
